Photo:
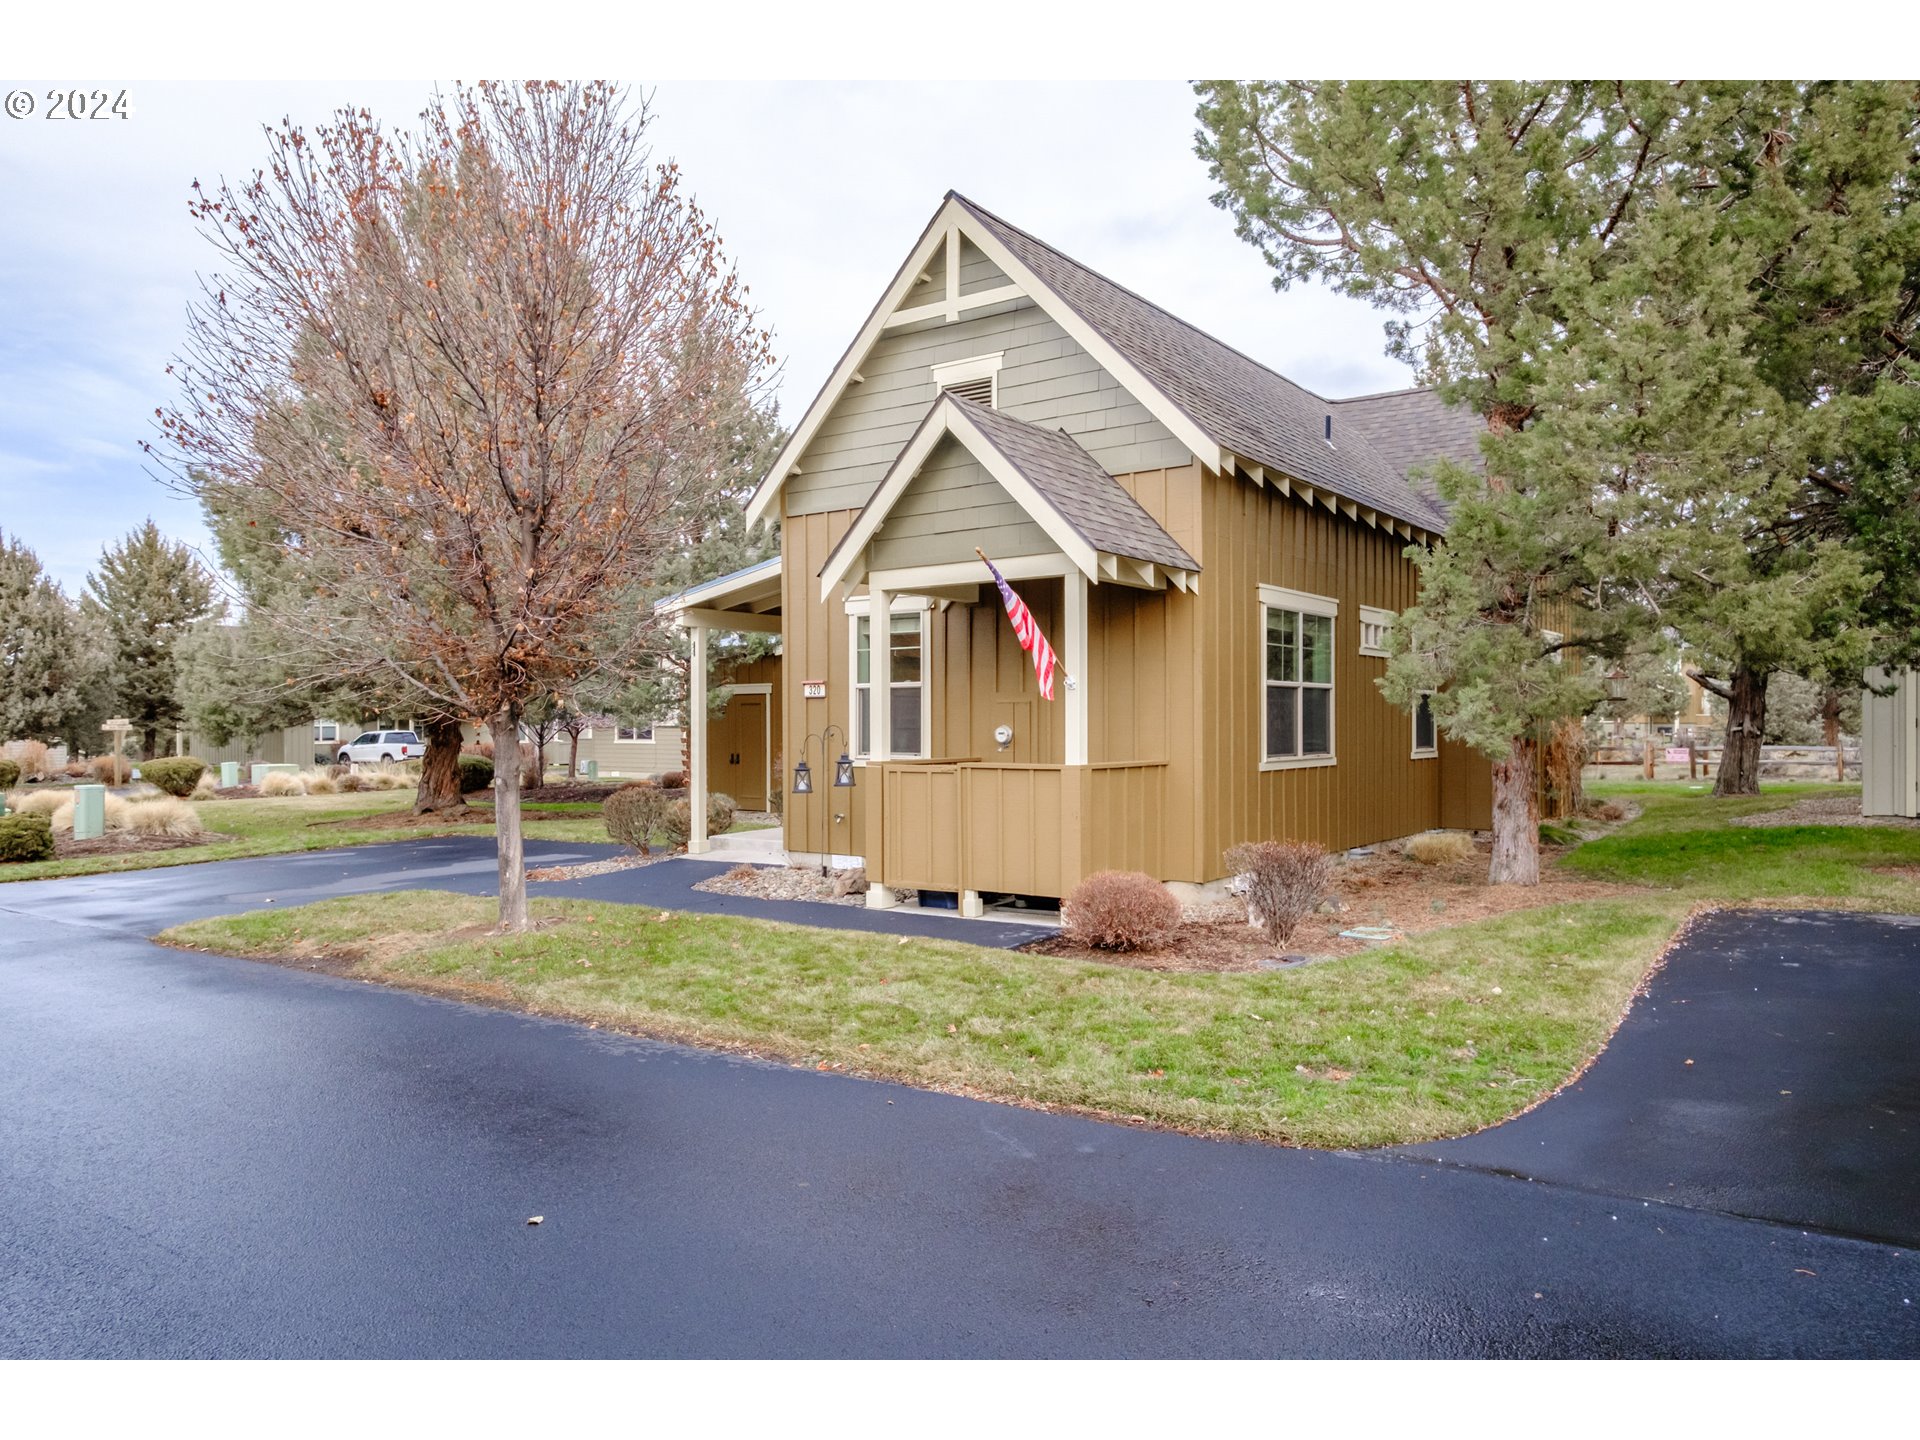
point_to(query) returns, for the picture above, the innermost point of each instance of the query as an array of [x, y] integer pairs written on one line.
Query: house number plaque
[[813, 689]]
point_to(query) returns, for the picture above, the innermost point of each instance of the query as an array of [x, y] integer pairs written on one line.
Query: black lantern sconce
[[842, 768]]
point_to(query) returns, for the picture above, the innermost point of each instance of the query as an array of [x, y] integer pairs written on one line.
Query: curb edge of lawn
[[339, 968]]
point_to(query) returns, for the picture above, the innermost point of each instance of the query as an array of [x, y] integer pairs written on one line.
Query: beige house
[[1214, 552]]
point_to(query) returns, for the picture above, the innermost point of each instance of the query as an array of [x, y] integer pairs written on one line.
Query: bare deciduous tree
[[463, 371]]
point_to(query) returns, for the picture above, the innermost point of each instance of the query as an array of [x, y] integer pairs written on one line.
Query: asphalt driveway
[[205, 1156]]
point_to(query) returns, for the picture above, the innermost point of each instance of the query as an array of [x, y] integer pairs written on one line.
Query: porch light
[[1617, 686], [843, 772], [802, 779]]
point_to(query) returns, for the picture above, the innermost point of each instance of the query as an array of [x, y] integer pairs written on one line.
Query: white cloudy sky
[[819, 188]]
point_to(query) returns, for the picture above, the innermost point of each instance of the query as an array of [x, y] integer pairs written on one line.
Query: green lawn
[[1442, 1035], [1681, 841]]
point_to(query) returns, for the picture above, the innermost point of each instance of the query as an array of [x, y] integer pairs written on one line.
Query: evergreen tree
[[1483, 214], [147, 594], [51, 663], [234, 687]]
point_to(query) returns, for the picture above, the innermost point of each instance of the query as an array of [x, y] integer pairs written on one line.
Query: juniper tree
[[147, 593], [460, 369], [1478, 213]]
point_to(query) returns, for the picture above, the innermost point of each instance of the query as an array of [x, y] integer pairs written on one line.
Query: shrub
[[161, 815], [351, 784], [476, 772], [674, 780], [676, 822], [1610, 812], [33, 758], [1120, 910], [1285, 881], [283, 783], [632, 815], [24, 838], [206, 787], [1437, 847], [9, 774], [175, 776], [76, 770], [720, 812], [100, 767]]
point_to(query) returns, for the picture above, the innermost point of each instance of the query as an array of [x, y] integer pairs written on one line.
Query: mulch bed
[[581, 791], [129, 842], [236, 792], [1385, 889], [1825, 810]]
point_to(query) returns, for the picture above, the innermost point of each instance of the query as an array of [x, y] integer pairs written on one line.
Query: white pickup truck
[[382, 745]]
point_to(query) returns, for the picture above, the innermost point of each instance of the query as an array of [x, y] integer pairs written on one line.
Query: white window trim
[[321, 729], [646, 739], [1371, 615], [1432, 752], [1276, 597], [859, 607], [973, 367], [1554, 637]]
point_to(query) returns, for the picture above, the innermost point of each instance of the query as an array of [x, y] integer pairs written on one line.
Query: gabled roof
[[1223, 406], [1256, 413], [1410, 428], [1082, 508]]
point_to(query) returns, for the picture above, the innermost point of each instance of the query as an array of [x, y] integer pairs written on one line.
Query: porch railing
[[1015, 829]]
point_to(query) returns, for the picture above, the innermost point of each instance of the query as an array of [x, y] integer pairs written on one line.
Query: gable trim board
[[1013, 453]]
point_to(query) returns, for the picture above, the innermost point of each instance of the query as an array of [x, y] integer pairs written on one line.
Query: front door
[[737, 751]]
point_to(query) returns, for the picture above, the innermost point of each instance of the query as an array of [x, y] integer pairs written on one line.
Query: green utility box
[[89, 812]]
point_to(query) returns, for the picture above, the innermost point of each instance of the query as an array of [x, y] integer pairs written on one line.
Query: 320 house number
[[88, 105]]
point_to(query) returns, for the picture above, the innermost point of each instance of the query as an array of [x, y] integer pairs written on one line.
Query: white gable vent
[[976, 378]]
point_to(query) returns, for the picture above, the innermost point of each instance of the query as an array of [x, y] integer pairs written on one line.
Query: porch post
[[880, 719], [1076, 663], [697, 843]]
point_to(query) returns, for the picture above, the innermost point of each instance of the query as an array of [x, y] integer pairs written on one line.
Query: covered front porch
[[970, 781]]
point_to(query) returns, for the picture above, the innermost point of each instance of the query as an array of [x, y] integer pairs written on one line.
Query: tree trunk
[[1516, 816], [510, 842], [1566, 757], [1830, 728], [440, 771], [573, 755], [1746, 724]]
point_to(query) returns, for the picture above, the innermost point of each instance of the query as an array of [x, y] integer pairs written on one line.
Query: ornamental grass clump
[[160, 815], [1437, 847], [281, 784], [1120, 910], [1284, 882], [33, 758]]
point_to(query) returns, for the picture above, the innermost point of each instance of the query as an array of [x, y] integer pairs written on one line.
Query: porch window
[[1425, 743], [1296, 677], [906, 709], [325, 730]]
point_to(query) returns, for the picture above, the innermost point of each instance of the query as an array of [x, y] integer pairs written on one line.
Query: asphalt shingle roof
[[1408, 428], [1256, 413], [1090, 500]]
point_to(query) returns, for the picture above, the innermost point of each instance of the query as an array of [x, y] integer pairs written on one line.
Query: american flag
[[1028, 631]]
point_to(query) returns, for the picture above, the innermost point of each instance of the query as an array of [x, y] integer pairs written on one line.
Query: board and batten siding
[[1044, 378], [1375, 790]]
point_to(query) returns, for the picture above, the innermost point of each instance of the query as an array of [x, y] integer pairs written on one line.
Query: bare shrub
[[282, 783], [1439, 847], [1120, 910], [633, 815], [351, 784], [676, 822], [674, 780], [77, 770], [101, 768], [1609, 811], [206, 787], [31, 756], [161, 815], [721, 810], [1285, 881]]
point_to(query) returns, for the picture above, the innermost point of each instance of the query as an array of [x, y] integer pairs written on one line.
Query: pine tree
[[148, 592], [51, 665]]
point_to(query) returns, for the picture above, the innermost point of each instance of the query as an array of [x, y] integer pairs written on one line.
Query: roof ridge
[[1104, 278], [1387, 394]]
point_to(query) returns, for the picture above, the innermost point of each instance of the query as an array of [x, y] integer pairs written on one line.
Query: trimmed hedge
[[25, 837], [177, 776], [476, 773], [9, 774]]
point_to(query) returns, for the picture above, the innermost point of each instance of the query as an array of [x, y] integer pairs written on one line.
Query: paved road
[[204, 1156]]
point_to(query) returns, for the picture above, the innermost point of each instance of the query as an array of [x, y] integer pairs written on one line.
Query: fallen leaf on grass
[[535, 1219]]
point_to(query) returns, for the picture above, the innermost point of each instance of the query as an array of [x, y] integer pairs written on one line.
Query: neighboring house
[[311, 742], [1890, 744], [1214, 551]]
